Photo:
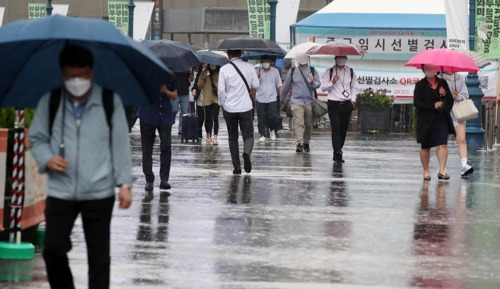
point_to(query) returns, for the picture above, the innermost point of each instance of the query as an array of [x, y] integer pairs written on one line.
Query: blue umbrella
[[211, 57], [30, 66], [178, 56]]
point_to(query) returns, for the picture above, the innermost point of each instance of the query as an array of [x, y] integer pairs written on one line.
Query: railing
[[490, 124]]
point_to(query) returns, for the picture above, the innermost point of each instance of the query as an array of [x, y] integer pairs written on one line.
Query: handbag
[[287, 107], [465, 110], [319, 108]]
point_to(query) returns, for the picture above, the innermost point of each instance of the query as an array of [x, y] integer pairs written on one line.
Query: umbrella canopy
[[301, 48], [444, 59], [257, 54], [178, 56], [245, 43], [30, 65], [211, 57], [336, 48], [480, 60]]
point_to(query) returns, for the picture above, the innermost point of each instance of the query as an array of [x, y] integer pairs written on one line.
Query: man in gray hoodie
[[85, 151]]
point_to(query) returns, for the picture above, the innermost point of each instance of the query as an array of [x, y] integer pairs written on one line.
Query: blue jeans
[[182, 101], [267, 116]]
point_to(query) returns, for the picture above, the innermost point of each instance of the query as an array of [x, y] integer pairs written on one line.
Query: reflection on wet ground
[[299, 221]]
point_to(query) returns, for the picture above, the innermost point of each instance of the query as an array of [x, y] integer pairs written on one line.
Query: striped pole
[[13, 200], [20, 175]]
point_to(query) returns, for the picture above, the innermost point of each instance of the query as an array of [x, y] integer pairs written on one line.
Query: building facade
[[200, 22]]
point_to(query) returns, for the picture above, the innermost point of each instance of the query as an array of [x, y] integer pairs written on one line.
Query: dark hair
[[265, 57], [76, 56], [235, 52]]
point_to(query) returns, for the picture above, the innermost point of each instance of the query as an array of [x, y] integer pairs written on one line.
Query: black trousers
[[340, 116], [148, 134], [60, 217], [212, 118], [200, 110], [245, 122]]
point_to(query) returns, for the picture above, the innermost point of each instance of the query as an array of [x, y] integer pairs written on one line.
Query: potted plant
[[374, 110]]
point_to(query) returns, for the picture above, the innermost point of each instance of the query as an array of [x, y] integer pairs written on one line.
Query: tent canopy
[[381, 14], [387, 29]]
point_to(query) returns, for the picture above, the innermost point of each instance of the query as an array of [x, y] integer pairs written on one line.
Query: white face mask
[[77, 86], [266, 65], [341, 61], [213, 67]]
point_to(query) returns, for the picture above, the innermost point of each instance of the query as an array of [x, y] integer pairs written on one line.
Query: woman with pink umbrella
[[433, 102]]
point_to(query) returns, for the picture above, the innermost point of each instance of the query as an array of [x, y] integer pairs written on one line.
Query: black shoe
[[299, 148], [149, 186], [247, 163], [337, 157], [237, 171], [165, 186], [307, 148]]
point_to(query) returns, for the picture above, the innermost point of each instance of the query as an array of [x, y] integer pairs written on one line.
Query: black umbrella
[[245, 43], [178, 56], [211, 57]]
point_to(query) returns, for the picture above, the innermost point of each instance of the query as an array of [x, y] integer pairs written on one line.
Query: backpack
[[55, 99]]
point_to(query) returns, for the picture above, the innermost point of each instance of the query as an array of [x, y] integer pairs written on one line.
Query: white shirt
[[232, 91], [345, 82], [269, 82]]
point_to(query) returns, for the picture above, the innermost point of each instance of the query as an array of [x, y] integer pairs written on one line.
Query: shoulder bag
[[465, 110], [319, 108], [246, 84]]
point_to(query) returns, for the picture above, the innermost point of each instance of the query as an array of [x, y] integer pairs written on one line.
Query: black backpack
[[55, 99]]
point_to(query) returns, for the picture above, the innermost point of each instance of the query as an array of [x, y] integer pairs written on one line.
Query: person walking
[[197, 94], [181, 102], [340, 82], [460, 93], [158, 117], [266, 98], [302, 80], [94, 157], [208, 84], [433, 102], [236, 79]]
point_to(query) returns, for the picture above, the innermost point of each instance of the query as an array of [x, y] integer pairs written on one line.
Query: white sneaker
[[272, 135], [262, 139], [466, 170]]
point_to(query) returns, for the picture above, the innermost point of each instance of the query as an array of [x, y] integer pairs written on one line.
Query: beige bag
[[465, 110]]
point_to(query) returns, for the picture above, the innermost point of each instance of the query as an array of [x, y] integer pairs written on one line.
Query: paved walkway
[[299, 221]]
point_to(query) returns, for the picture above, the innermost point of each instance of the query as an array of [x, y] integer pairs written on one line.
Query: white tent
[[392, 31]]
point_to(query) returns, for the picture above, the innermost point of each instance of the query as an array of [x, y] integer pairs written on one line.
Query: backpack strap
[[331, 72], [108, 103], [55, 99]]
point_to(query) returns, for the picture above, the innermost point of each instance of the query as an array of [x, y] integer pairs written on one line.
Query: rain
[[300, 221]]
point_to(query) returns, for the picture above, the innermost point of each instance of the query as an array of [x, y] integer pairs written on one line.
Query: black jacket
[[425, 111]]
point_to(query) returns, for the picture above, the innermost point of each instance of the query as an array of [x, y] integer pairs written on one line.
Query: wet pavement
[[299, 221]]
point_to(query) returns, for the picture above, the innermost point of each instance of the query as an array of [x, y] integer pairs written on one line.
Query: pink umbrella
[[444, 59], [336, 48]]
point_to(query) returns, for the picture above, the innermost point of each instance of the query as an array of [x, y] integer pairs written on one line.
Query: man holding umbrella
[[83, 180], [236, 79], [340, 82]]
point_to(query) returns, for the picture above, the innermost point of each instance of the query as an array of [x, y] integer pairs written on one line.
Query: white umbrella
[[303, 47]]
